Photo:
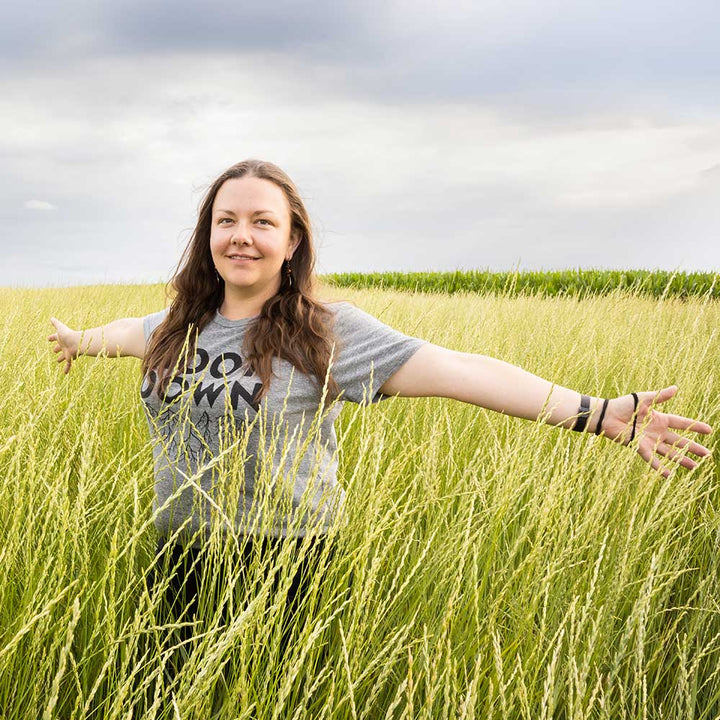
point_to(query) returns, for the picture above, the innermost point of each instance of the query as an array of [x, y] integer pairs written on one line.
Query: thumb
[[663, 395], [59, 325]]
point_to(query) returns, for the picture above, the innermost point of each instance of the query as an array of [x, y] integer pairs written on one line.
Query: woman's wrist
[[79, 336], [599, 408], [614, 418], [590, 411]]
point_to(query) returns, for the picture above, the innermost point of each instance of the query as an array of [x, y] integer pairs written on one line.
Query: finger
[[689, 445], [654, 463], [657, 465], [53, 337], [57, 348], [660, 396], [676, 456], [672, 438], [682, 423]]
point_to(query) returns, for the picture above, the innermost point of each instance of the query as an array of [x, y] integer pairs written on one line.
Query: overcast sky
[[422, 135]]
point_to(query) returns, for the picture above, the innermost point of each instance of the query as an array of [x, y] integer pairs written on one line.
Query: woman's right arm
[[120, 338]]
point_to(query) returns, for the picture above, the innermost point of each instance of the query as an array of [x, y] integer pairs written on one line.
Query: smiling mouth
[[241, 257]]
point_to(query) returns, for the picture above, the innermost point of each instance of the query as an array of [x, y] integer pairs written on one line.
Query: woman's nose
[[241, 235]]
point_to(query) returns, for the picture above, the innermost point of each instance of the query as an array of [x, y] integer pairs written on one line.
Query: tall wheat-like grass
[[483, 567]]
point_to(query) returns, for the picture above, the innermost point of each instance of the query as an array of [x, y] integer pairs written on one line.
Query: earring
[[288, 273], [217, 275]]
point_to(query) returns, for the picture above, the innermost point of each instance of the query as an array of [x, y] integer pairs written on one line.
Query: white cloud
[[391, 185], [38, 205]]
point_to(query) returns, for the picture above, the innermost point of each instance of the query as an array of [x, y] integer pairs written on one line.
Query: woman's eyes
[[222, 221]]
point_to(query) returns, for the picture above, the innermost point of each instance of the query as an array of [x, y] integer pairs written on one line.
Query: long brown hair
[[292, 325]]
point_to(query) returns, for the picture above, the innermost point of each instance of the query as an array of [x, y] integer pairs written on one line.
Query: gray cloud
[[302, 28], [582, 54]]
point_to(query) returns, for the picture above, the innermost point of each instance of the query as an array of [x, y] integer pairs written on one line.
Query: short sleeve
[[369, 353], [150, 322]]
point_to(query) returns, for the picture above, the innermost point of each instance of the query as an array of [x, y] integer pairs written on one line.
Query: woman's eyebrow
[[255, 212]]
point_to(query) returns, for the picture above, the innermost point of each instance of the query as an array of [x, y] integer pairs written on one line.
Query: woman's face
[[250, 236]]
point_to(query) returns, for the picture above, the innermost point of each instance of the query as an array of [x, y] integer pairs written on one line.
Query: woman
[[264, 351]]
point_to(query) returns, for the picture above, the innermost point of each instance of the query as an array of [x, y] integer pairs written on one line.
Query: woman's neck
[[237, 311], [238, 307]]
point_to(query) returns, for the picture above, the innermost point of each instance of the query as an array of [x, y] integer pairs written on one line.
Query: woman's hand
[[66, 343], [654, 430]]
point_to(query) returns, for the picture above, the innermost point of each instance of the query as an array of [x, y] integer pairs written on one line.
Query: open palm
[[655, 431], [66, 343]]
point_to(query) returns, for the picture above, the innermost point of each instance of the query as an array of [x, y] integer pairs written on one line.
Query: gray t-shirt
[[272, 465]]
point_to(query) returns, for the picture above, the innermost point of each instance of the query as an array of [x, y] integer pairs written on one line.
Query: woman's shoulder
[[337, 307], [346, 313], [351, 321], [152, 321]]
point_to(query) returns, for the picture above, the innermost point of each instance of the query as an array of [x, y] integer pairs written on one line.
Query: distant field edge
[[571, 283]]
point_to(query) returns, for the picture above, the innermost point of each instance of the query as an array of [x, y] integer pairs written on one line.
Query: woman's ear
[[294, 242]]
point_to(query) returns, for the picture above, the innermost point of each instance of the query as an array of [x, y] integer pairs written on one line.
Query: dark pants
[[180, 600]]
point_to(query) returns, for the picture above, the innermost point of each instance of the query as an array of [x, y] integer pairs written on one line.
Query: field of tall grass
[[499, 568]]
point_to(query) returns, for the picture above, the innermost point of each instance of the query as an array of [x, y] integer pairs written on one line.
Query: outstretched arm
[[119, 338], [434, 371]]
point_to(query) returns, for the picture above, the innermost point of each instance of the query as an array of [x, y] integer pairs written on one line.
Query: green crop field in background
[[500, 568], [568, 283]]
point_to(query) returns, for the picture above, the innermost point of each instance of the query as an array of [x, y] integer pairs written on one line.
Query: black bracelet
[[598, 429], [583, 414], [636, 399]]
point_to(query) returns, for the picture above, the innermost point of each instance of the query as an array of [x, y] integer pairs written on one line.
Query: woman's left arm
[[434, 371]]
